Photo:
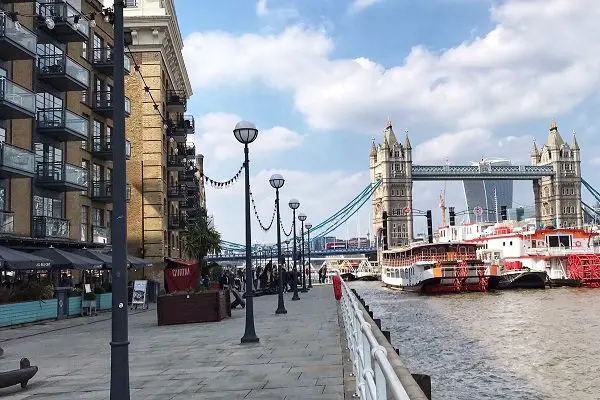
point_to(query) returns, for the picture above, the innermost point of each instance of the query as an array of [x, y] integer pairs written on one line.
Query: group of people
[[266, 278], [323, 274]]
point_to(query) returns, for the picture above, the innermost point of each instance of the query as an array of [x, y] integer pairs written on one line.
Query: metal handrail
[[375, 376]]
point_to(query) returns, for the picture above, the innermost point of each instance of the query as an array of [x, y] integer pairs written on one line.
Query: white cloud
[[522, 69], [214, 137], [359, 5], [280, 15], [320, 195], [261, 8]]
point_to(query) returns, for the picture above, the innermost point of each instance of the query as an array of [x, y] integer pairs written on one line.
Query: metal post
[[304, 290], [309, 267], [280, 303], [249, 332], [119, 345], [295, 269]]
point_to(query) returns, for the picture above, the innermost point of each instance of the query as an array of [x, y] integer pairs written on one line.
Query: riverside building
[[56, 67]]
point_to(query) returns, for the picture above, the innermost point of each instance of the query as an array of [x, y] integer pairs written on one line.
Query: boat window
[[558, 240], [397, 273], [425, 268], [510, 243]]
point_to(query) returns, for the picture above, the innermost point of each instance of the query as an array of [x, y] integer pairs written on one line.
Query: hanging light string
[[223, 184], [264, 228], [138, 71], [284, 232]]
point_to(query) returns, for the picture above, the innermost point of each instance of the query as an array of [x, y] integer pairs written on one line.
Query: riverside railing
[[374, 374]]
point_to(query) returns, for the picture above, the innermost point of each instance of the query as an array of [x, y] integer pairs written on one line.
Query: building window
[[85, 217], [84, 50], [97, 129], [96, 173], [84, 96], [2, 134], [47, 207], [45, 153], [97, 217], [85, 142]]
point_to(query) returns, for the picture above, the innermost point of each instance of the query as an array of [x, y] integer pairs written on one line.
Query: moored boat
[[433, 268]]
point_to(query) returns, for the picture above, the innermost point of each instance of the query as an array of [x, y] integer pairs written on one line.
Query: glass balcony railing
[[62, 13], [59, 64], [102, 189], [51, 227], [100, 234], [59, 172], [20, 36], [16, 95], [103, 100], [17, 159], [60, 118], [7, 221]]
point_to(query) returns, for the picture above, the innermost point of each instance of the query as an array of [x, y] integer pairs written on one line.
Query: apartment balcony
[[61, 177], [50, 227], [177, 222], [176, 101], [186, 176], [189, 204], [7, 222], [63, 22], [103, 61], [62, 73], [102, 147], [176, 193], [62, 124], [16, 102], [190, 150], [100, 234], [16, 43], [103, 104], [176, 162], [102, 191], [16, 162], [181, 126]]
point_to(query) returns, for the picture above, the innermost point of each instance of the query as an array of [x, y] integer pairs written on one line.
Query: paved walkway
[[299, 356]]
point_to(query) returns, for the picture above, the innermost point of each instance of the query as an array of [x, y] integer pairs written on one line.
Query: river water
[[521, 344]]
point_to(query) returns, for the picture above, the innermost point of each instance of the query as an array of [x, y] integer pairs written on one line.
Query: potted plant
[[196, 304]]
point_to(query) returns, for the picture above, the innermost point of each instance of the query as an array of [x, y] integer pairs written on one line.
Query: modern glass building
[[488, 194]]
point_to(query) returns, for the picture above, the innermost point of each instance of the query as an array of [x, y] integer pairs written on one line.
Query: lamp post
[[287, 252], [119, 344], [308, 225], [294, 204], [245, 132], [302, 218], [277, 182]]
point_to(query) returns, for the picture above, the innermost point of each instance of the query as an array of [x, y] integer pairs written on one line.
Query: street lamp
[[119, 344], [308, 225], [277, 182], [245, 132], [302, 218], [294, 204], [287, 252]]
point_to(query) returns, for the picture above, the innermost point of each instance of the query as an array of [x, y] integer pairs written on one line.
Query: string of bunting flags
[[223, 184], [284, 232], [263, 227]]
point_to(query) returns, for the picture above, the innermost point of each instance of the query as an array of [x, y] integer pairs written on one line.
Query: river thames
[[522, 344]]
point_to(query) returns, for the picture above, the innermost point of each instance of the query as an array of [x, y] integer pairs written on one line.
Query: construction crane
[[443, 204]]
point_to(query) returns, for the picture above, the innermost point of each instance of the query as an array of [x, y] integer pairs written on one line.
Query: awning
[[94, 254], [61, 259], [19, 260], [134, 262]]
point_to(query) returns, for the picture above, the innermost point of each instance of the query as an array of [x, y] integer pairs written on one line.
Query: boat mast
[[496, 204]]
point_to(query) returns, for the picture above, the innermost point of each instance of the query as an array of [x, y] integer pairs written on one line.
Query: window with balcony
[[85, 164], [47, 218], [85, 217], [84, 143], [45, 153], [6, 217]]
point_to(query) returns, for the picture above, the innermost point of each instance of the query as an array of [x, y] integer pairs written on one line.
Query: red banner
[[182, 278]]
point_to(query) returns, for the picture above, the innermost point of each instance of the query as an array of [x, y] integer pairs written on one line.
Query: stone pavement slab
[[298, 356]]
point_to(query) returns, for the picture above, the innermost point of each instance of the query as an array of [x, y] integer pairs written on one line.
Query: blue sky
[[467, 79]]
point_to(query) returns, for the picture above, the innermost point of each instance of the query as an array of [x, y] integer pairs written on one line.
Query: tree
[[202, 239]]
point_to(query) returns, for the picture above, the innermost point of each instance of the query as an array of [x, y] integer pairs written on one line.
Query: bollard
[[424, 382], [387, 336], [377, 322]]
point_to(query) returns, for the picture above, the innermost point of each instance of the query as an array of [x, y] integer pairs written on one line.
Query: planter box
[[209, 306]]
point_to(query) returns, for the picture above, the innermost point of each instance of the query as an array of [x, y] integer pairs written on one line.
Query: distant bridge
[[235, 255]]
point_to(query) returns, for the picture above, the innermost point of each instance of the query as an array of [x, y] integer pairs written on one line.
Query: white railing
[[374, 374]]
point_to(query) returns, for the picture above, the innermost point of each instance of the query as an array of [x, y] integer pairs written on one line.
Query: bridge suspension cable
[[345, 208], [360, 202]]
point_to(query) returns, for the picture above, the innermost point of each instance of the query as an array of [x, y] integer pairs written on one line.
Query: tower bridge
[[555, 171]]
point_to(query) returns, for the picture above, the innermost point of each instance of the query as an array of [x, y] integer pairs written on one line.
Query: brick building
[[55, 124], [163, 171]]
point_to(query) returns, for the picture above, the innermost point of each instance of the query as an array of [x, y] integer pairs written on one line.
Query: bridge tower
[[558, 198], [391, 161]]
